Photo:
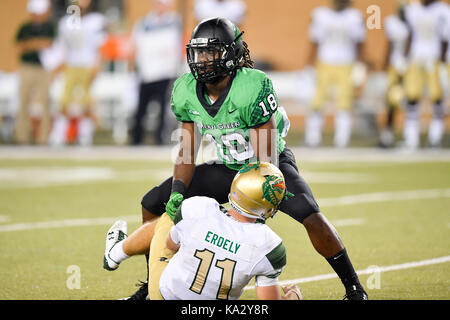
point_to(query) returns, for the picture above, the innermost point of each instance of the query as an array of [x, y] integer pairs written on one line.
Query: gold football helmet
[[257, 190]]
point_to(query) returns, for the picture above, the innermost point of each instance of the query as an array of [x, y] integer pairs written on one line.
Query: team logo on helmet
[[273, 189]]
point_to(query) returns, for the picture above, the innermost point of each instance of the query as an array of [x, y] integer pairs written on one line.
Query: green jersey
[[248, 102]]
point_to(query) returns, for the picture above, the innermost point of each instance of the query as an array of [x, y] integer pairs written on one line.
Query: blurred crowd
[[60, 63]]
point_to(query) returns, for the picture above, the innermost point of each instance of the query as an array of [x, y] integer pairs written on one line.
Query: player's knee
[[301, 206], [412, 102], [438, 109], [153, 202]]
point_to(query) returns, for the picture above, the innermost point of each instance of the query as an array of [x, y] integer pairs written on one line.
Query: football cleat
[[116, 233], [141, 294], [356, 293]]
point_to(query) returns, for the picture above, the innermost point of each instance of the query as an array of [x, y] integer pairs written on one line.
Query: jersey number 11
[[206, 258]]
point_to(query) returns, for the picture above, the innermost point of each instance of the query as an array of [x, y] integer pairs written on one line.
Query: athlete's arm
[[185, 162], [171, 245], [264, 140]]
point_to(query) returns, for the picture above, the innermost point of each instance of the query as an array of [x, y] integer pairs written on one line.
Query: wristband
[[179, 186]]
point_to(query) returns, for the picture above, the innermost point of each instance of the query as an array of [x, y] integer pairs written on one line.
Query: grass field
[[390, 208]]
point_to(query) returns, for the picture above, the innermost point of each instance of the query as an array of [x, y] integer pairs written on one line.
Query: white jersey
[[337, 34], [219, 255], [447, 34], [158, 40], [234, 10], [82, 39], [397, 32], [427, 27]]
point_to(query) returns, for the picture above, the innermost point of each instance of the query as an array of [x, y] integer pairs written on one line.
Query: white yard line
[[372, 270], [325, 202], [384, 197], [43, 177], [87, 222], [348, 222]]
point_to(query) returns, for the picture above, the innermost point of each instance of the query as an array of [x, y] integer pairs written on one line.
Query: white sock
[[86, 129], [411, 127], [58, 134], [117, 253], [342, 129], [435, 131], [313, 129]]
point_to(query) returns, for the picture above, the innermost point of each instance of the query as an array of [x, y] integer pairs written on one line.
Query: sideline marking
[[407, 265]]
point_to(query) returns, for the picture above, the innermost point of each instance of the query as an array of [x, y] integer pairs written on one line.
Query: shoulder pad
[[198, 207]]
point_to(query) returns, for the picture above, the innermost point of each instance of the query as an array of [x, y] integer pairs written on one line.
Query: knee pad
[[300, 206]]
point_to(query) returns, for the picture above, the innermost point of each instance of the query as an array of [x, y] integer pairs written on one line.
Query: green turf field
[[55, 209]]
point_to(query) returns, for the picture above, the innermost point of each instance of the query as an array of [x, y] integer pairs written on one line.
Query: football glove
[[173, 204]]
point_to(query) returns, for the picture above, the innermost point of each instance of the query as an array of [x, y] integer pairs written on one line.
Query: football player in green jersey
[[236, 106]]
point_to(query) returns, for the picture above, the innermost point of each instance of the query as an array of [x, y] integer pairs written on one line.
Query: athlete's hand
[[292, 292], [173, 204]]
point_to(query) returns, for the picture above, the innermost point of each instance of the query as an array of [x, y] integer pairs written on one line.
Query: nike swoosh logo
[[335, 258], [231, 111]]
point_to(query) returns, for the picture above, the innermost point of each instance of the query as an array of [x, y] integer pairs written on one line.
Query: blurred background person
[[425, 51], [157, 42], [233, 10], [447, 54], [81, 34], [397, 33], [337, 35], [32, 38]]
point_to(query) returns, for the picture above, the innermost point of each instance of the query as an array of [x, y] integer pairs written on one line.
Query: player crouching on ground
[[211, 252]]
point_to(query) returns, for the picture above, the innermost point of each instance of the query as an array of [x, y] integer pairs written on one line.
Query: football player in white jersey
[[218, 250], [447, 44], [425, 20], [81, 39], [397, 32], [337, 35]]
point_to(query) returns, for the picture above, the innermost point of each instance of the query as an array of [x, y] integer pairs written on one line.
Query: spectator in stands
[[81, 34], [157, 42], [233, 10], [34, 36], [337, 34]]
